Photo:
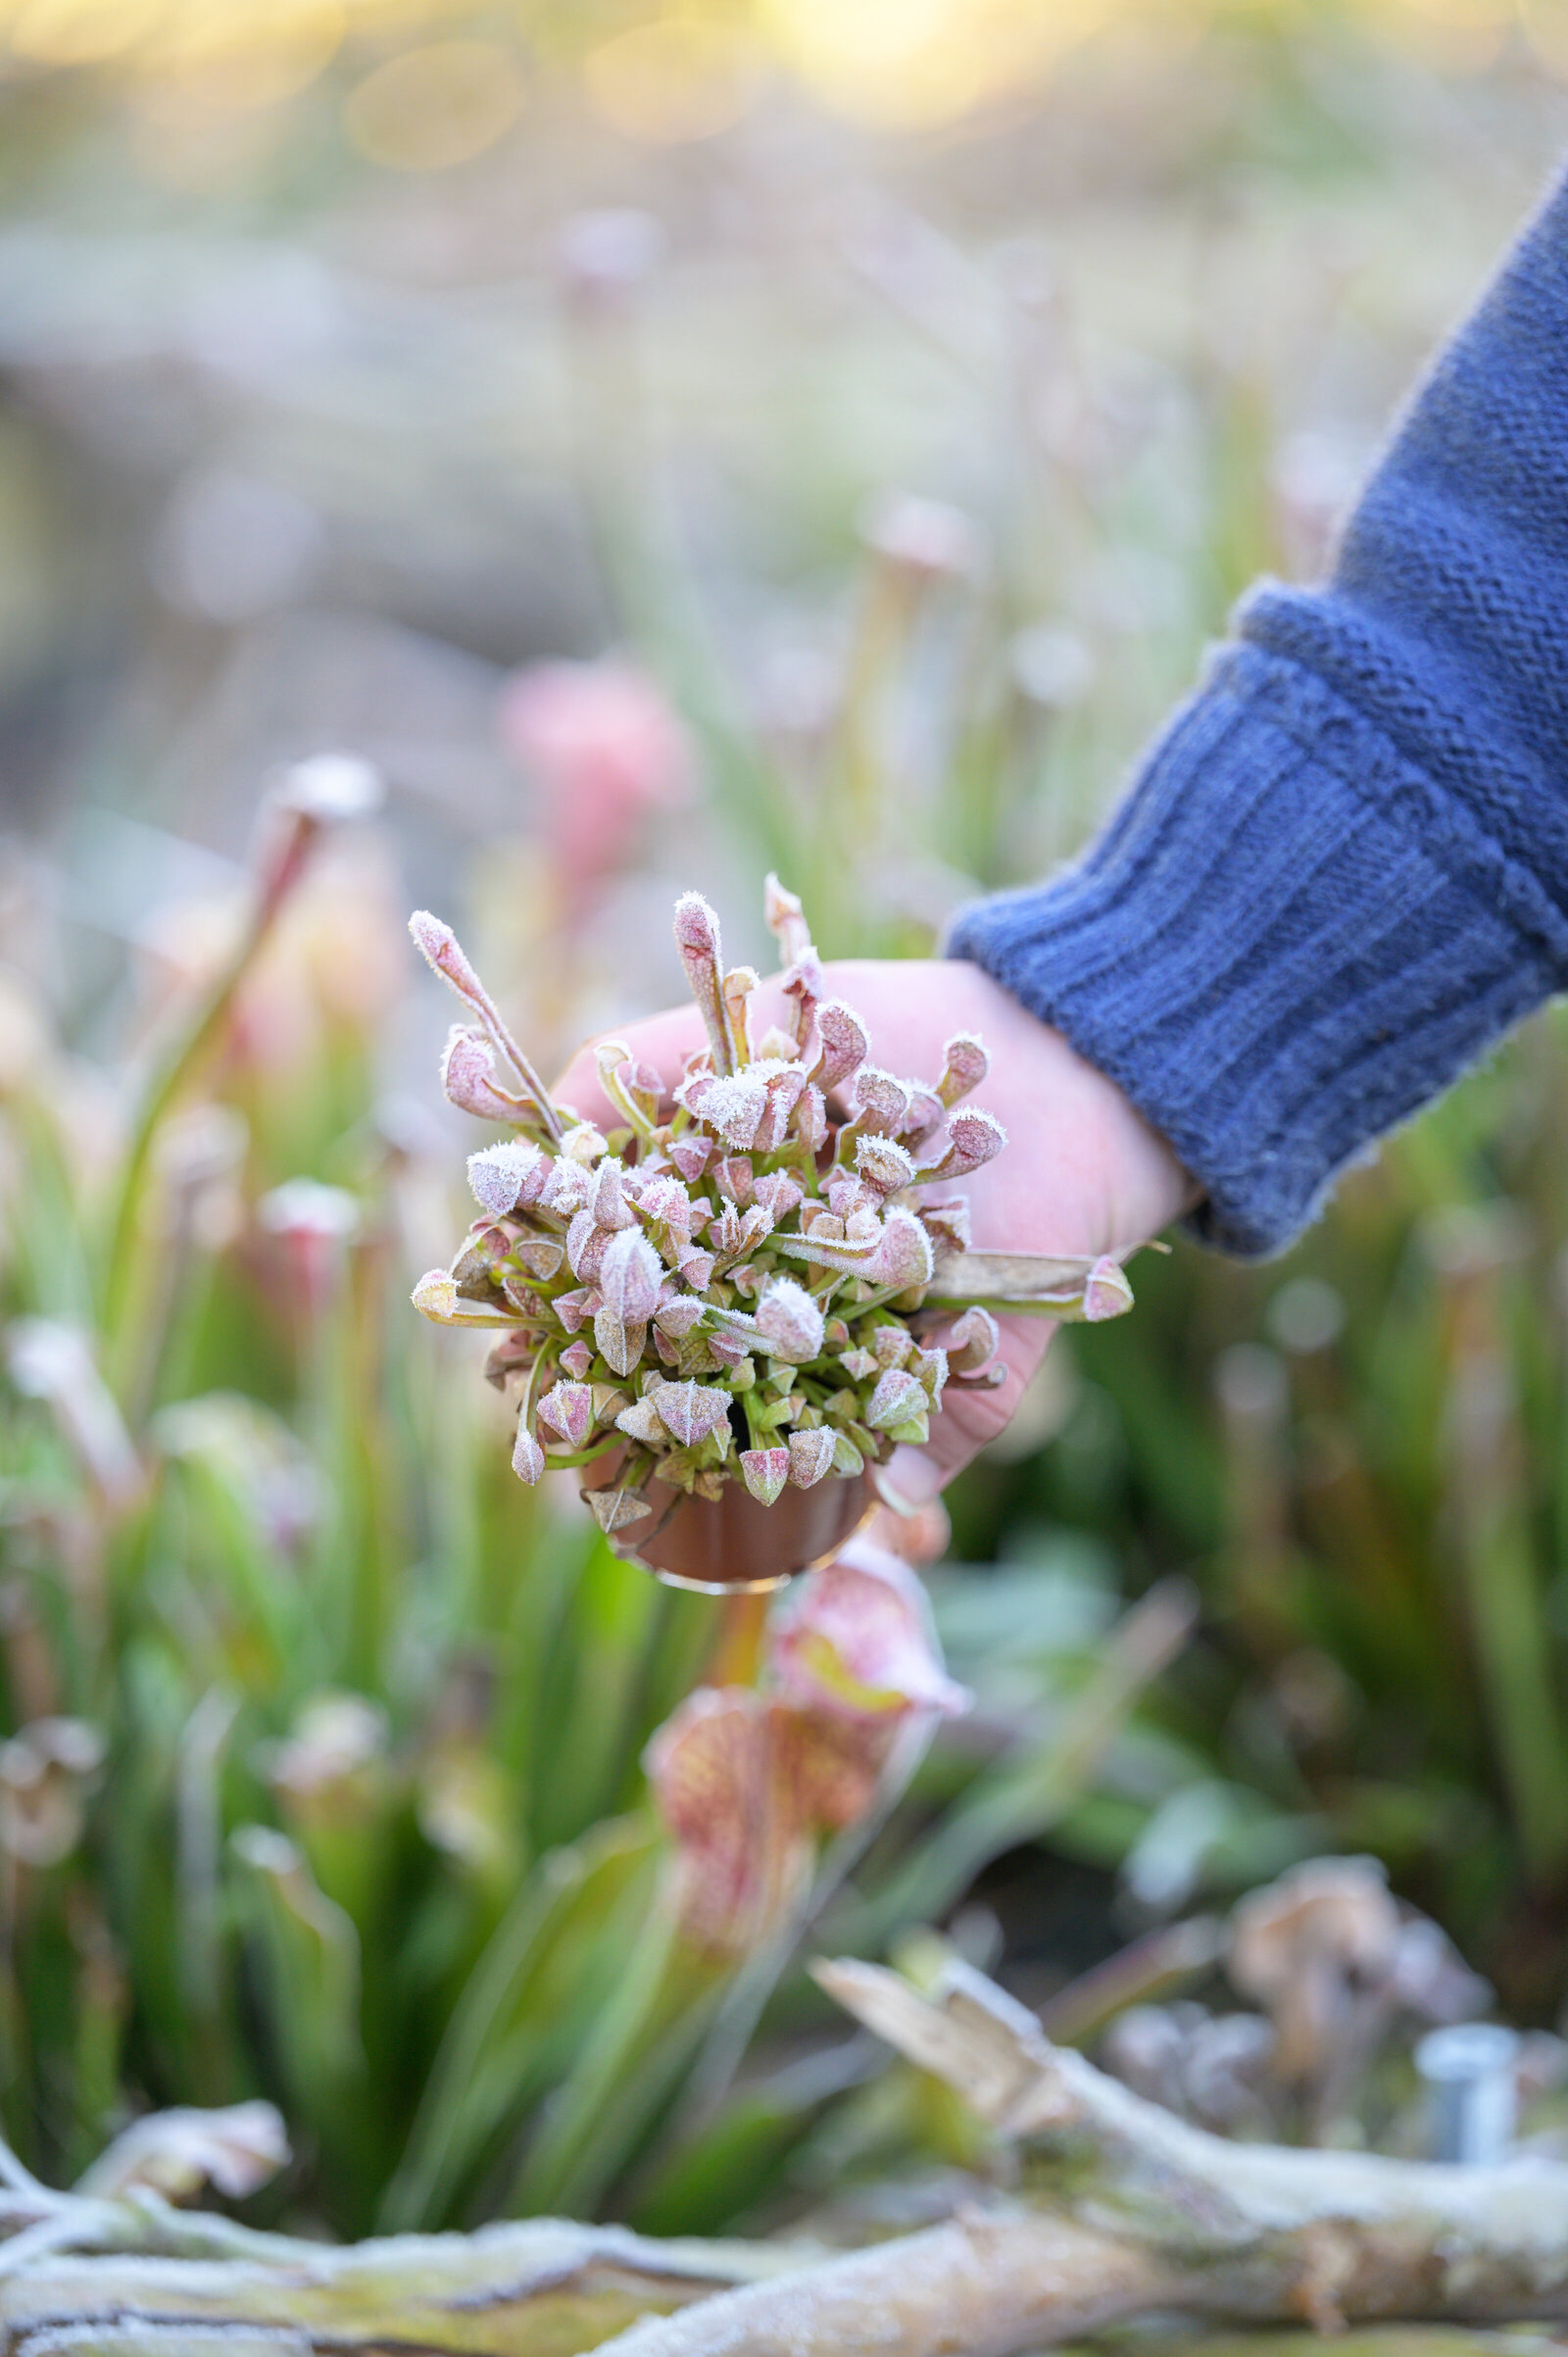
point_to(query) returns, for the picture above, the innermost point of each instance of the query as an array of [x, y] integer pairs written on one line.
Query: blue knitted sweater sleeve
[[1343, 870]]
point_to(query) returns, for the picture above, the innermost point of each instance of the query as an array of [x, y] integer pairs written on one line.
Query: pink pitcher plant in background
[[605, 749], [748, 1781]]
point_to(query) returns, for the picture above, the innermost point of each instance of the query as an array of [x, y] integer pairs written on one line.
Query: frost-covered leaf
[[630, 1277], [506, 1174], [568, 1408], [765, 1472], [619, 1341], [811, 1457], [903, 1258], [1107, 1290], [974, 1342], [613, 1509], [790, 1322], [641, 1422], [527, 1458], [469, 1078], [176, 2153], [691, 1411], [896, 1397], [436, 1295], [697, 938], [883, 1163], [785, 919], [691, 1156], [964, 1067], [844, 1043], [880, 1100]]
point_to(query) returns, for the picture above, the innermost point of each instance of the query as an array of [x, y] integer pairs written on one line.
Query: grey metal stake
[[1470, 2069]]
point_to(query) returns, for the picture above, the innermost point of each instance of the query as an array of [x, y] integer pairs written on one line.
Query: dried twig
[[1136, 2212], [539, 2290]]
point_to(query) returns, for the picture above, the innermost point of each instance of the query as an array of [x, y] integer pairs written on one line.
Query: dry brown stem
[[1125, 2211], [1136, 2212], [539, 2290]]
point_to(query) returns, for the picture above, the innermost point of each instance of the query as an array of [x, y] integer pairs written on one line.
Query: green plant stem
[[182, 1060]]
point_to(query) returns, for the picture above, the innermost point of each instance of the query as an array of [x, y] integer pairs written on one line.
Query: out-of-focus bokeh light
[[435, 106], [244, 53], [80, 32], [426, 84], [912, 60], [675, 78]]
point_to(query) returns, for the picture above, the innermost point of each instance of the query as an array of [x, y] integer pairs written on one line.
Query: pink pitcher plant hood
[[742, 1848], [730, 1281], [857, 1641], [602, 746], [747, 1783]]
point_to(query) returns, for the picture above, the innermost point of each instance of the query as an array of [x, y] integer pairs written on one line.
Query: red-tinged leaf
[[677, 1314], [810, 1456], [880, 1100], [733, 1106], [630, 1277], [733, 1179], [948, 1224], [809, 1119], [568, 1410], [720, 1780], [527, 1458], [613, 1509], [1107, 1292], [765, 1472], [619, 1341], [441, 950], [974, 1342], [469, 1079], [697, 938], [843, 1045], [974, 1138], [586, 1241], [691, 1156], [965, 1068], [904, 1259], [785, 919], [790, 1322], [572, 1308], [896, 1397], [883, 1163], [690, 1411], [542, 1256], [891, 1344], [780, 1194], [607, 1200]]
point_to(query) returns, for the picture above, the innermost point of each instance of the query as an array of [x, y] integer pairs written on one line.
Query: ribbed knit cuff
[[1287, 942]]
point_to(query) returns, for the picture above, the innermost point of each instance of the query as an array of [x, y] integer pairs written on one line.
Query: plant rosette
[[726, 1298]]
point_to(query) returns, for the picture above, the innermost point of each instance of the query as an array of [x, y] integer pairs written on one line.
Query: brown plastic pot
[[732, 1545]]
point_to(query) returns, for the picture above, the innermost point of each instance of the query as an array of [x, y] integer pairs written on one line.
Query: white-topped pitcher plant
[[721, 1308]]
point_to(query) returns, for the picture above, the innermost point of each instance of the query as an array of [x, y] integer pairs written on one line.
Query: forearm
[[1344, 871]]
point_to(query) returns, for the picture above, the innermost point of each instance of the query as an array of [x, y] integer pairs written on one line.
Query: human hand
[[1083, 1172]]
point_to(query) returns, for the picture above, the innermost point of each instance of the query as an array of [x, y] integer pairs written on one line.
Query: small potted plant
[[720, 1307]]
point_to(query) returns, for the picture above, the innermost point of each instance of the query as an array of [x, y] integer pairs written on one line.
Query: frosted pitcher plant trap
[[721, 1310]]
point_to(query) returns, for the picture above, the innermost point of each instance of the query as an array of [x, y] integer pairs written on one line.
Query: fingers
[[966, 1420], [663, 1041]]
